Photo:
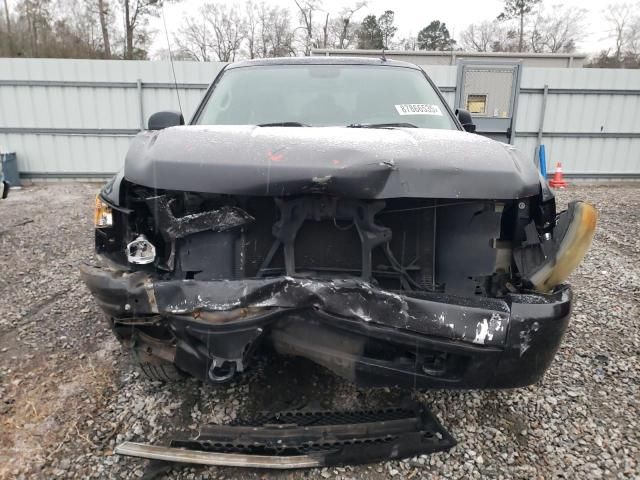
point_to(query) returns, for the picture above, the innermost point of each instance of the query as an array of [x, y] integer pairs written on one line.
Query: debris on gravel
[[69, 394]]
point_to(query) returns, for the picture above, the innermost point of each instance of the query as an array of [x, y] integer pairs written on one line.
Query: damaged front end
[[414, 292]]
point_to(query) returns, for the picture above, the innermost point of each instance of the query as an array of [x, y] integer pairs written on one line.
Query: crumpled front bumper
[[370, 336]]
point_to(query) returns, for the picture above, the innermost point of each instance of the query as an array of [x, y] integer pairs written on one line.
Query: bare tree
[[344, 27], [225, 33], [409, 43], [632, 37], [9, 34], [45, 28], [103, 15], [557, 30], [252, 25], [280, 33], [307, 9], [274, 34], [194, 39], [216, 28], [618, 17], [482, 37], [264, 19], [623, 20], [36, 14], [136, 16], [229, 30], [102, 10], [76, 29], [340, 37], [325, 31]]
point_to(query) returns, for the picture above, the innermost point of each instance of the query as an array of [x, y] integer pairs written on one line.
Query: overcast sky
[[412, 15]]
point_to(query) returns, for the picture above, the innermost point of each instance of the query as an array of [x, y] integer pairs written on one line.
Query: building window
[[477, 104]]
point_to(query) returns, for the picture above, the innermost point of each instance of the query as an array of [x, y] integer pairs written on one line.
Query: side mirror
[[165, 119], [465, 119]]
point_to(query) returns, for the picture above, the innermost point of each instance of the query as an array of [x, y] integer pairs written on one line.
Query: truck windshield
[[325, 95]]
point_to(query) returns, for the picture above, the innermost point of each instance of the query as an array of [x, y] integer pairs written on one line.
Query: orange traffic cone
[[558, 180]]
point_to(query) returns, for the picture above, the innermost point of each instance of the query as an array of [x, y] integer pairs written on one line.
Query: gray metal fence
[[75, 118], [589, 119]]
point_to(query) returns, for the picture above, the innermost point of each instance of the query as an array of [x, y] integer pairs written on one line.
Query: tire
[[160, 371], [151, 353], [154, 359]]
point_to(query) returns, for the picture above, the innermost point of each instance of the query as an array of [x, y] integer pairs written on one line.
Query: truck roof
[[326, 60]]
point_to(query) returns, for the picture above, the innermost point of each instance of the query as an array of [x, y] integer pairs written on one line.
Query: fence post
[[542, 158], [140, 107], [543, 108]]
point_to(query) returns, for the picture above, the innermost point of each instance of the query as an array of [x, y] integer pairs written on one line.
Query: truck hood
[[351, 162]]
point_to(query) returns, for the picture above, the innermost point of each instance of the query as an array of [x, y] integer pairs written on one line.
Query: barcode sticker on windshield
[[418, 109]]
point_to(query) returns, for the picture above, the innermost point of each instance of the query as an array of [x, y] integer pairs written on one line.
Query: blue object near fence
[[10, 168], [542, 158]]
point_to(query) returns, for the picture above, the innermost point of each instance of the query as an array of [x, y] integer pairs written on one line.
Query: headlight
[[571, 247], [102, 216]]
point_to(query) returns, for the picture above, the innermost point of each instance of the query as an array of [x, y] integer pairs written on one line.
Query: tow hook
[[221, 370]]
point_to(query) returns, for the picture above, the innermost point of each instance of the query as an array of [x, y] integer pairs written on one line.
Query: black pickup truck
[[338, 210]]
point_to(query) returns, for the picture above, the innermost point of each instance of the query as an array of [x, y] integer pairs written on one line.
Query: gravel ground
[[68, 394]]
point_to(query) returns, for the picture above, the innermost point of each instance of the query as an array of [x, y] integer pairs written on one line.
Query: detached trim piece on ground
[[180, 455], [304, 439]]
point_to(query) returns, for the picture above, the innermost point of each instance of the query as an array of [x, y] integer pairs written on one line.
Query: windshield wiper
[[382, 125], [284, 124]]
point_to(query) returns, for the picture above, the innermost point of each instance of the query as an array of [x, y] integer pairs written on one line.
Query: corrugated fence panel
[[444, 77], [76, 117], [69, 107], [591, 121], [580, 78], [580, 112], [106, 70], [66, 117], [528, 114], [66, 155], [589, 156]]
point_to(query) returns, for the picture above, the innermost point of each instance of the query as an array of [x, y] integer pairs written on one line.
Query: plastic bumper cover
[[370, 336]]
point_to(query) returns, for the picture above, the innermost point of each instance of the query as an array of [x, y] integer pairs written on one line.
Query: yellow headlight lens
[[102, 216], [573, 248]]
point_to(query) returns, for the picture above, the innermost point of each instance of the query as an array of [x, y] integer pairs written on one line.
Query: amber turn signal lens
[[573, 248], [102, 216]]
